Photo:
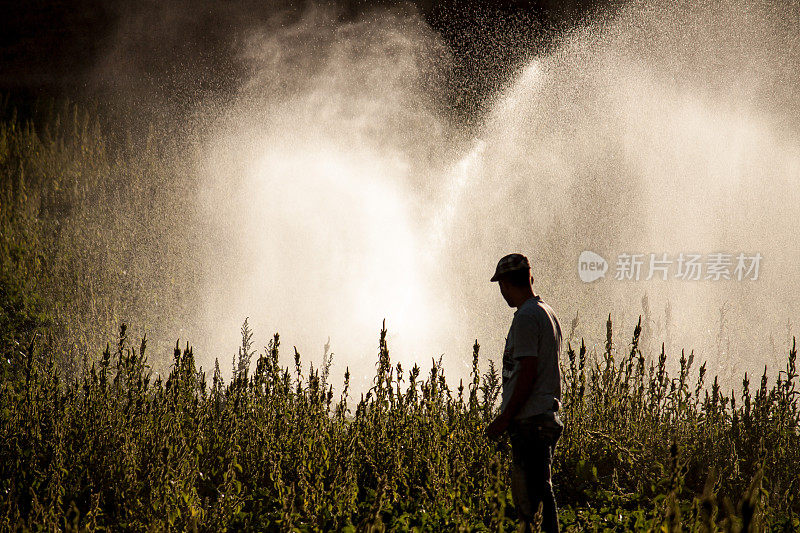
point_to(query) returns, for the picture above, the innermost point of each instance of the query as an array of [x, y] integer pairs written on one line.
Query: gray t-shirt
[[534, 332]]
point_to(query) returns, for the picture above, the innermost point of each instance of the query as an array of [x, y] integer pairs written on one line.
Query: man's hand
[[498, 426], [527, 376]]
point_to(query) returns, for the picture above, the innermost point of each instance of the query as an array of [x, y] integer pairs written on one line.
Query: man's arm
[[527, 377]]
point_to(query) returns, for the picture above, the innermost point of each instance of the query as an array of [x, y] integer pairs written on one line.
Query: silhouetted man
[[531, 392]]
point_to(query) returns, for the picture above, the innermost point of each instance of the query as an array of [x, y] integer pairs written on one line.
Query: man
[[531, 392]]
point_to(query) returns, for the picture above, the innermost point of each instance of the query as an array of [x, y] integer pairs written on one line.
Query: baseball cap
[[510, 263]]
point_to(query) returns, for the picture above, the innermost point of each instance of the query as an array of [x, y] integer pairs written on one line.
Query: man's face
[[505, 291]]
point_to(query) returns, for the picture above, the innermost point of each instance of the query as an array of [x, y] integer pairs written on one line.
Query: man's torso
[[534, 331]]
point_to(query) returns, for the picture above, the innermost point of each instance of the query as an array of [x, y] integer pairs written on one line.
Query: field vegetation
[[93, 441]]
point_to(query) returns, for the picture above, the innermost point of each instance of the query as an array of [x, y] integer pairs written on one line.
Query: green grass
[[274, 449], [100, 441], [94, 229]]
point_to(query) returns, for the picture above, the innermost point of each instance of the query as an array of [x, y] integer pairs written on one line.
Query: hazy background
[[350, 162]]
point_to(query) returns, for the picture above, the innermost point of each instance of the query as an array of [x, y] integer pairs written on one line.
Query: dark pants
[[532, 443]]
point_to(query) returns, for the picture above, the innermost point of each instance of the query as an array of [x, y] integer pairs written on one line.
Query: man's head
[[513, 273]]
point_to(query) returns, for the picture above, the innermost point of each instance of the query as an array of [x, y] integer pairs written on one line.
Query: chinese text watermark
[[662, 266]]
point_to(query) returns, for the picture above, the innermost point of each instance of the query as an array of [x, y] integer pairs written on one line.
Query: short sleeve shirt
[[534, 332]]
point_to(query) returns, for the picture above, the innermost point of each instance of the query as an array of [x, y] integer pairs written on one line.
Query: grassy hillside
[[93, 230]]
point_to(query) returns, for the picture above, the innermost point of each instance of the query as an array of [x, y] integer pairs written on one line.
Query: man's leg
[[519, 488], [531, 484], [541, 480]]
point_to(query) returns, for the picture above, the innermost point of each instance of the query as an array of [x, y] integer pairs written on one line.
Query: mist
[[333, 187]]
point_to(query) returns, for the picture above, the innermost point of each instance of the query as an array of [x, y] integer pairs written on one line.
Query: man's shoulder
[[530, 314], [535, 313], [534, 307]]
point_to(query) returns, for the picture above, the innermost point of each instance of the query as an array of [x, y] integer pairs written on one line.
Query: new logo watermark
[[685, 266], [591, 266]]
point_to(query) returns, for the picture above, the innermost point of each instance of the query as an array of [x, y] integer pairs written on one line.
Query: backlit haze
[[336, 190]]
